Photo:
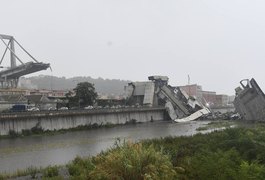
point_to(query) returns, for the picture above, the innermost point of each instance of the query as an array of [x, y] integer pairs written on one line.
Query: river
[[43, 150]]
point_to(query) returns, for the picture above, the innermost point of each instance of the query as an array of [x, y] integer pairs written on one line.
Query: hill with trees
[[102, 86]]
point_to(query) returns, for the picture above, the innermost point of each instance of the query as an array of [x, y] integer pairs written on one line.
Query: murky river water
[[41, 151]]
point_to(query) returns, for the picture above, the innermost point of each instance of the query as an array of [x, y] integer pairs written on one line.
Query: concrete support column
[[13, 57]]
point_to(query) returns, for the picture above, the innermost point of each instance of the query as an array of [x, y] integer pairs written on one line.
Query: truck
[[18, 108]]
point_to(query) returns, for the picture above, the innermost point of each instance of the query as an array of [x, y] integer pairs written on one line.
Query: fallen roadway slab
[[194, 116], [250, 101]]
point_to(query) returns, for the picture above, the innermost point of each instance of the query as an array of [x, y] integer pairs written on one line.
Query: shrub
[[26, 132], [133, 161], [12, 133], [50, 171], [214, 165], [251, 171], [80, 168], [37, 130], [131, 121]]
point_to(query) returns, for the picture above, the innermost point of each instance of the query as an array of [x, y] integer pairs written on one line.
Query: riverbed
[[43, 150]]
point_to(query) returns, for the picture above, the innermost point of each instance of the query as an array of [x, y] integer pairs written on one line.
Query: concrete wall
[[55, 120]]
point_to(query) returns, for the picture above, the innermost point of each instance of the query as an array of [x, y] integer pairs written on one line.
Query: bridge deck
[[22, 70]]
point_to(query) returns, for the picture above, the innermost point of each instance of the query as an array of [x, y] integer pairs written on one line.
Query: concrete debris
[[250, 101], [224, 116], [157, 92]]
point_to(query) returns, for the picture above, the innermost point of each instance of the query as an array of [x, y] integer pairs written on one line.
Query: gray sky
[[217, 43]]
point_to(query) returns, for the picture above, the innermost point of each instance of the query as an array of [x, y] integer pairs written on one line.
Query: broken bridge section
[[157, 92], [250, 101], [10, 75]]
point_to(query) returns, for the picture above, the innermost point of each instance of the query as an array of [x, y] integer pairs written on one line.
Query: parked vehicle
[[98, 107], [33, 109], [63, 108], [18, 108], [51, 108], [89, 107]]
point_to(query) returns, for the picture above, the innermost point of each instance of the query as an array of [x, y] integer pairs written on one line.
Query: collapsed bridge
[[157, 92], [9, 77], [250, 101]]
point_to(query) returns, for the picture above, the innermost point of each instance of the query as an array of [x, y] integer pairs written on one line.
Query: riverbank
[[234, 153], [38, 131]]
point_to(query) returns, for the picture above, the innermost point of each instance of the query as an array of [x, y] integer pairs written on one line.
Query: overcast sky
[[217, 43]]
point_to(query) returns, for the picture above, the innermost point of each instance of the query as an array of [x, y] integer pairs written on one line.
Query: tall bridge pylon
[[10, 76]]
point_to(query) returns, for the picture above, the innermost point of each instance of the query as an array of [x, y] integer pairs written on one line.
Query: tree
[[85, 94]]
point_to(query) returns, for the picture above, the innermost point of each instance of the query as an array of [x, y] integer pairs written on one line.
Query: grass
[[29, 171], [216, 125], [50, 172]]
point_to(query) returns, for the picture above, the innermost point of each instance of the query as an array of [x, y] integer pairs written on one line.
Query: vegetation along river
[[43, 150]]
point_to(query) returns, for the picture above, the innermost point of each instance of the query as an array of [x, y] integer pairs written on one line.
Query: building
[[41, 101], [209, 98], [13, 91], [193, 90], [222, 100], [48, 93]]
